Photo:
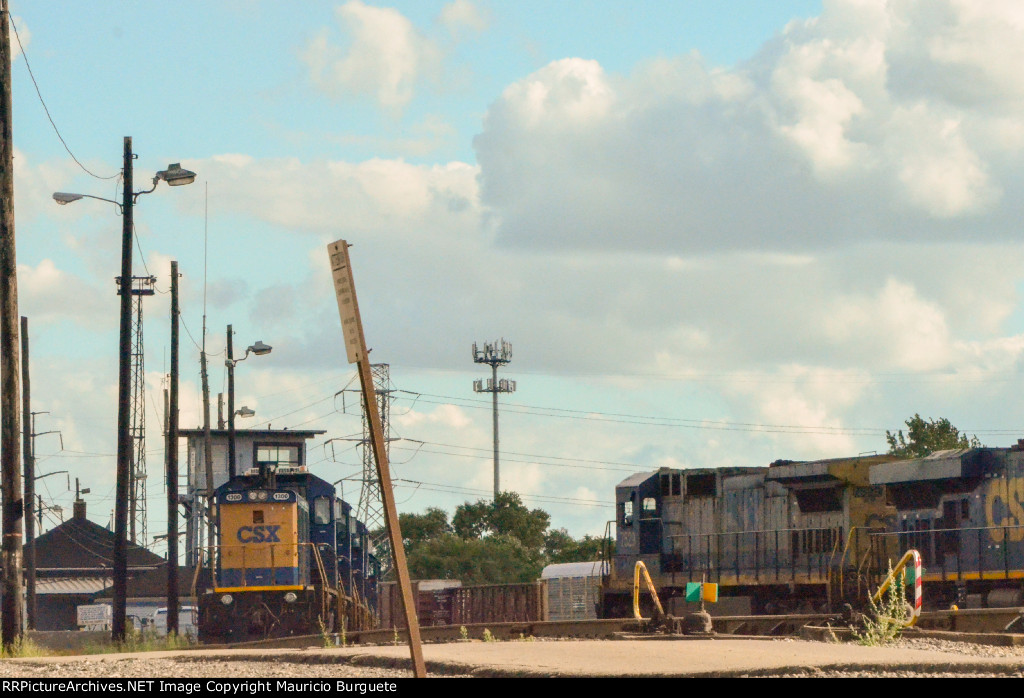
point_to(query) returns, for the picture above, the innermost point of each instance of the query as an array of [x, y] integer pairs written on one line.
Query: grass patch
[[23, 647], [888, 616]]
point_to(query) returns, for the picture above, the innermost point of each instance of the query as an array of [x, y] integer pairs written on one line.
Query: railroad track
[[965, 623]]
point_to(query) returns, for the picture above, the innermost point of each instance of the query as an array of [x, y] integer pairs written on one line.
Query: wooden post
[[10, 428], [27, 429], [355, 345], [172, 465]]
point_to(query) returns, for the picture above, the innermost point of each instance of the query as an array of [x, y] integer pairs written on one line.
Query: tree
[[506, 515], [924, 437], [559, 546], [496, 559], [418, 528]]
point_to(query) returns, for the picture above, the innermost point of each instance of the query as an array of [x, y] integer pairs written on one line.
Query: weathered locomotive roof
[[828, 470], [941, 465], [636, 479]]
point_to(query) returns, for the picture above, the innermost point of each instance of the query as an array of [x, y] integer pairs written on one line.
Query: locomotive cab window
[[277, 455], [650, 505], [322, 511], [627, 513]]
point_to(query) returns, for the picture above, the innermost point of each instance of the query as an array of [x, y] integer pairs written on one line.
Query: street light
[[174, 175], [244, 412], [259, 349]]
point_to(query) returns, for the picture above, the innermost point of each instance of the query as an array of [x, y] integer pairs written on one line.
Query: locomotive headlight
[[263, 496], [290, 597], [226, 599]]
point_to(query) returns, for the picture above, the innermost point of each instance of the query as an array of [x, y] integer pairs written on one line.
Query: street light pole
[[174, 175], [230, 363], [124, 444], [259, 349]]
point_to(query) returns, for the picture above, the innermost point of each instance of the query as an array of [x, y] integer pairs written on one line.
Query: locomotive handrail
[[214, 552], [640, 566], [910, 555]]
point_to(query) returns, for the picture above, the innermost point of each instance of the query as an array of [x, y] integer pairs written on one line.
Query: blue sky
[[716, 234]]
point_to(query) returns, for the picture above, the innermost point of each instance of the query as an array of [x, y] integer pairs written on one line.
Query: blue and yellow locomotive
[[291, 559]]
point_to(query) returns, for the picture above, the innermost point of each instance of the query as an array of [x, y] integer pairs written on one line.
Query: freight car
[[808, 536], [291, 560]]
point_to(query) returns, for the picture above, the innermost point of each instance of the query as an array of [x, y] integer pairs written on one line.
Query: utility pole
[[10, 427], [496, 354], [172, 466], [28, 427], [207, 455], [231, 406], [119, 611]]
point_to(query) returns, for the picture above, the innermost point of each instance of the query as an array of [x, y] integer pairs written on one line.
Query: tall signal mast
[[497, 354]]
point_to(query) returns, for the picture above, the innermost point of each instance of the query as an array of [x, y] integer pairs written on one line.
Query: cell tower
[[370, 509], [497, 354], [141, 286]]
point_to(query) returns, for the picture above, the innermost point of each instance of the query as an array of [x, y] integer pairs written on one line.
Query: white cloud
[[460, 15], [386, 56], [824, 138]]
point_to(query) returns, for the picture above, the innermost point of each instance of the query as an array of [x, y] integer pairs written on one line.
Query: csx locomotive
[[806, 536], [291, 559]]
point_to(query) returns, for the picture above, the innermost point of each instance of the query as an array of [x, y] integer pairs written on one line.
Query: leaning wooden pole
[[355, 346], [10, 363]]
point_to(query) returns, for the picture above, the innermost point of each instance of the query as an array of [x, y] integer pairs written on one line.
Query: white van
[[188, 617]]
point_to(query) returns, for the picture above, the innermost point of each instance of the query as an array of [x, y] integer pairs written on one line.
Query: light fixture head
[[175, 175], [245, 412], [259, 348], [63, 198]]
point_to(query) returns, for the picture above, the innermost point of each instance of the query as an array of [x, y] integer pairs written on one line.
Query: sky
[[715, 234]]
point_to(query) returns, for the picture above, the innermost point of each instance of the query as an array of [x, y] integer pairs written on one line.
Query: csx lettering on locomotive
[[258, 534]]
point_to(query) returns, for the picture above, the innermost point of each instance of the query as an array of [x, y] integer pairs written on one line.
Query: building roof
[[571, 569], [153, 584], [224, 433], [81, 546], [85, 586]]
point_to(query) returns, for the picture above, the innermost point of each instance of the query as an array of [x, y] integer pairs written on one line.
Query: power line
[[46, 109]]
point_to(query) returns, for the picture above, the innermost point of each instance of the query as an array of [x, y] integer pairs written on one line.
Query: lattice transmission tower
[[142, 286], [370, 509]]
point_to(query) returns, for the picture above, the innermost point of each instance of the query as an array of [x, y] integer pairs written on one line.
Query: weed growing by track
[[888, 616]]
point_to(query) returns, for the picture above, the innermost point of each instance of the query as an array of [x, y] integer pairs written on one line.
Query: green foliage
[[489, 542], [488, 636], [505, 515], [417, 528], [888, 616], [498, 559], [924, 437], [23, 647], [325, 637], [463, 632], [559, 546]]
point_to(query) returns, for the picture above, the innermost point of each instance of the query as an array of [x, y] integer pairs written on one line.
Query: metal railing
[[959, 553], [780, 555], [211, 561]]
